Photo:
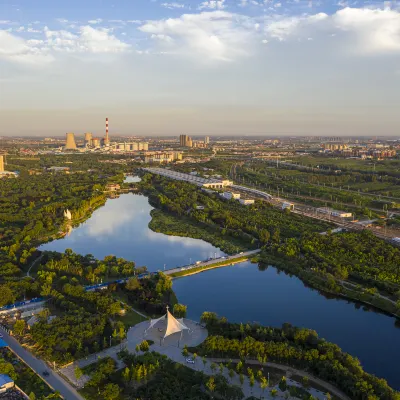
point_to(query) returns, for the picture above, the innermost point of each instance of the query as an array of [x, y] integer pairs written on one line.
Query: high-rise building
[[183, 140], [1, 163], [70, 142], [207, 140]]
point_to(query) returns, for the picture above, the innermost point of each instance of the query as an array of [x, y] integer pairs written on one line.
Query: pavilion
[[168, 325]]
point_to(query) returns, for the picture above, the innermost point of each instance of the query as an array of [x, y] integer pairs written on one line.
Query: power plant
[[88, 139], [70, 142], [91, 143]]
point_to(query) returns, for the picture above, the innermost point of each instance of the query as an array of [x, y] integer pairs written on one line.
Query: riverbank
[[171, 225], [219, 264], [333, 286]]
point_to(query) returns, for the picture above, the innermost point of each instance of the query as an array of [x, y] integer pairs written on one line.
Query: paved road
[[53, 380], [213, 261], [33, 264]]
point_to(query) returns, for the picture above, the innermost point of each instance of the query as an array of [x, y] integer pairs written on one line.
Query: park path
[[69, 370], [290, 372]]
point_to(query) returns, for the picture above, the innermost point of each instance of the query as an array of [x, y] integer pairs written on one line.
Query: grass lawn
[[131, 318]]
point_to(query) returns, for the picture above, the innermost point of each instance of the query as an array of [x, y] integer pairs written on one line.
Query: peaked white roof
[[173, 325]]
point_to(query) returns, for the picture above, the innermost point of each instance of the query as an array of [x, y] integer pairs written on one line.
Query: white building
[[5, 383], [334, 213], [230, 195], [246, 202]]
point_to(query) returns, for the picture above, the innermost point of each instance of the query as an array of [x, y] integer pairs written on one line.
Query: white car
[[190, 360]]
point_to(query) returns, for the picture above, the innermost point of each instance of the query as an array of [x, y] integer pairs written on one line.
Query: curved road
[[211, 262], [37, 365]]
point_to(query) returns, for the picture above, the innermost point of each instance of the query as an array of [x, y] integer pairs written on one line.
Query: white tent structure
[[173, 325]]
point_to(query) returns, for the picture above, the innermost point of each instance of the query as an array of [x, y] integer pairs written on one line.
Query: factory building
[[162, 157], [132, 146], [334, 213], [196, 180], [88, 139]]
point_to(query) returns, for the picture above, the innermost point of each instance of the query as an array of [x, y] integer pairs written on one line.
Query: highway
[[211, 262], [53, 380]]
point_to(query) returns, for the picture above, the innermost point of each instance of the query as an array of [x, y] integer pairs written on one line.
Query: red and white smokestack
[[106, 128]]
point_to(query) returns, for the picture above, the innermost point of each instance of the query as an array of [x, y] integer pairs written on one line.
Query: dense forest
[[154, 376], [358, 265], [88, 321], [298, 347], [253, 225], [32, 209]]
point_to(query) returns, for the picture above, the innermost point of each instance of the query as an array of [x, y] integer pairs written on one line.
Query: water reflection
[[245, 293], [121, 228]]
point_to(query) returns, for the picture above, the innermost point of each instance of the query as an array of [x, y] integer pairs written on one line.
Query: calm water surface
[[243, 293], [121, 228]]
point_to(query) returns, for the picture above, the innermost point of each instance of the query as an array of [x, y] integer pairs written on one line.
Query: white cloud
[[89, 40], [18, 50], [377, 30], [284, 27], [95, 21], [172, 5], [212, 5], [216, 35], [362, 29], [162, 37], [39, 51]]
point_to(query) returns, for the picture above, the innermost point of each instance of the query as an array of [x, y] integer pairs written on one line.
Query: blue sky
[[200, 67]]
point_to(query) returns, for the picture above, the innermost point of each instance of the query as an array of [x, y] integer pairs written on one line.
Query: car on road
[[1, 335], [46, 373], [241, 252], [190, 360]]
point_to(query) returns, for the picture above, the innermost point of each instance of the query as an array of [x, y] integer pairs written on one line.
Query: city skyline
[[210, 68]]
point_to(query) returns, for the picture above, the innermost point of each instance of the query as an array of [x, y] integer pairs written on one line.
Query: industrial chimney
[[107, 138], [70, 142], [1, 163]]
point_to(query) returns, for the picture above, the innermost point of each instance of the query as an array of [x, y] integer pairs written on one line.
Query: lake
[[240, 293], [120, 228], [243, 293]]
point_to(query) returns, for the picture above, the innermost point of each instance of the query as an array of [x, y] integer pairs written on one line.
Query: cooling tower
[[70, 142], [88, 139]]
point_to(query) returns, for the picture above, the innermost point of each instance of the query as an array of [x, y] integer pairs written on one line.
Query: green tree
[[263, 384], [179, 310], [132, 284], [111, 391], [6, 295], [78, 373], [231, 373], [144, 346], [213, 367], [211, 384], [19, 327]]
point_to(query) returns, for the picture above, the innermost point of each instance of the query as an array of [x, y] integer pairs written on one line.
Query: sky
[[217, 67]]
